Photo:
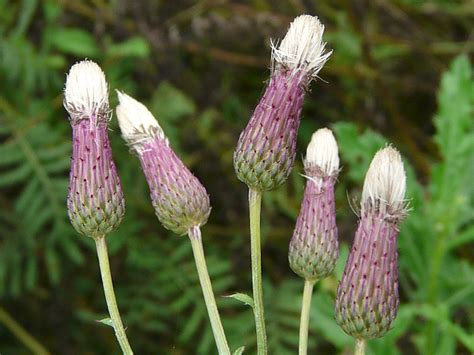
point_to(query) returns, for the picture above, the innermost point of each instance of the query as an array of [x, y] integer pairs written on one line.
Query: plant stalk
[[22, 334], [255, 202], [360, 347], [304, 322], [206, 286], [114, 313]]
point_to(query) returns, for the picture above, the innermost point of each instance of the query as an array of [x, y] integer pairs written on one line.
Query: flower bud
[[95, 200], [266, 148], [179, 199], [367, 297], [314, 247]]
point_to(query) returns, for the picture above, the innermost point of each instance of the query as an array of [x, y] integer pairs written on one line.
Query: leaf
[[456, 99], [28, 8], [322, 320], [74, 41], [242, 297], [133, 47], [15, 176], [439, 314], [283, 316], [106, 321], [52, 264], [451, 185], [192, 324], [464, 237], [170, 103], [239, 351], [346, 40], [51, 9], [170, 106], [388, 343]]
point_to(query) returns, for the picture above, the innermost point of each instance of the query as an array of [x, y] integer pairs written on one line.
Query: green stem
[[255, 202], [219, 335], [22, 334], [360, 347], [103, 256], [304, 322]]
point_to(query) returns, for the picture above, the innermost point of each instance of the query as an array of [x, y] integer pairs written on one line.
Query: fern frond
[[34, 167]]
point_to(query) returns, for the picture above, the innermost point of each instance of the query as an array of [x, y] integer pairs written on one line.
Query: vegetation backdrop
[[400, 72]]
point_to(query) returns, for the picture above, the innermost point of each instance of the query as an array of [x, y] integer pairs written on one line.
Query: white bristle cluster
[[137, 123], [385, 183], [303, 47], [86, 93], [322, 152]]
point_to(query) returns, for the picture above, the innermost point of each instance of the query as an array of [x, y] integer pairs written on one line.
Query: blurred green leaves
[[35, 145], [171, 106], [132, 47], [73, 41], [452, 187], [81, 43]]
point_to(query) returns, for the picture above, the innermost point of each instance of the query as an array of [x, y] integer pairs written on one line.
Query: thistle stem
[[255, 202], [360, 347], [198, 251], [114, 313], [22, 334], [304, 322]]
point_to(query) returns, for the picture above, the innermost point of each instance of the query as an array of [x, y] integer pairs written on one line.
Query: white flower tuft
[[137, 123], [303, 47], [385, 183], [86, 93], [322, 152]]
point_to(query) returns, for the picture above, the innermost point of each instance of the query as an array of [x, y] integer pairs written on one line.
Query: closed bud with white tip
[[95, 199], [266, 149], [180, 200], [367, 297], [314, 247]]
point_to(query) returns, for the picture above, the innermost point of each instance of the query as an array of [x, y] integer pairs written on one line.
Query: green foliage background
[[400, 73]]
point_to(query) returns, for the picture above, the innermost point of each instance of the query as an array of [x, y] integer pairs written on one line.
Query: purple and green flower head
[[266, 149], [367, 297], [314, 247], [180, 200], [95, 199]]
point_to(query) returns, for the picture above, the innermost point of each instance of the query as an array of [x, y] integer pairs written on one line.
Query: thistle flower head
[[86, 94], [367, 297], [180, 201], [266, 149], [322, 153], [302, 48], [95, 199], [314, 247], [136, 122], [385, 184]]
